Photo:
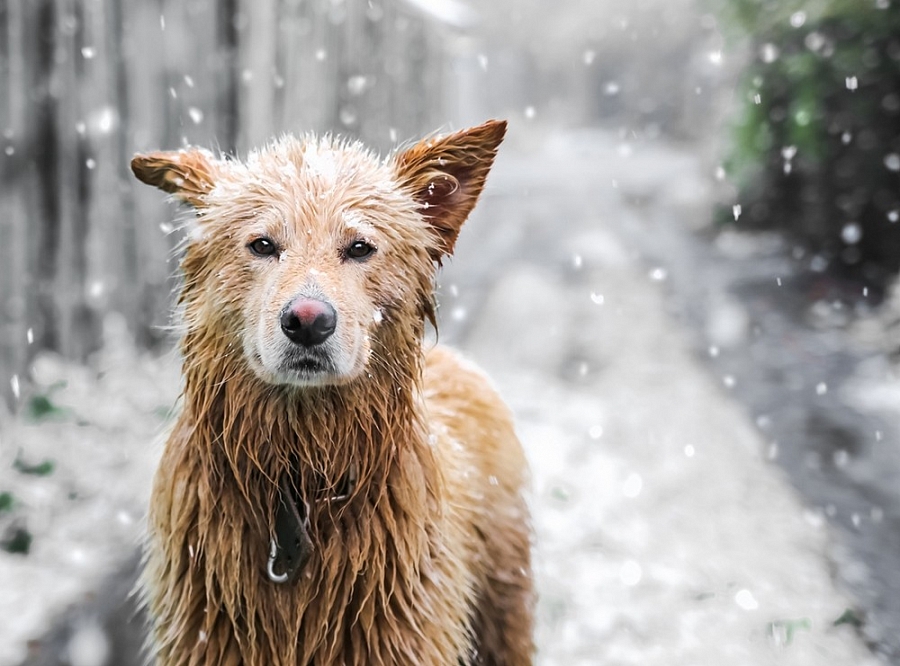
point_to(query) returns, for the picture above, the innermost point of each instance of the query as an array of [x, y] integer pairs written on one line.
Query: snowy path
[[662, 535], [663, 538]]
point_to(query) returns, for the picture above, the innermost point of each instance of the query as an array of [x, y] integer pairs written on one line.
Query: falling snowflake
[[768, 52], [357, 85], [851, 233], [106, 119], [746, 600]]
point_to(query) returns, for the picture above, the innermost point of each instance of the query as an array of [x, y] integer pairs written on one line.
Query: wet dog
[[332, 492]]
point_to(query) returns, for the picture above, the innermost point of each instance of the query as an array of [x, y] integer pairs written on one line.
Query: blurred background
[[699, 197]]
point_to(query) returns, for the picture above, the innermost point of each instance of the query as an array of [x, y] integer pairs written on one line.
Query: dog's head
[[311, 251]]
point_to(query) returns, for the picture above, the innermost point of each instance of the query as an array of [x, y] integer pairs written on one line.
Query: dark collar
[[291, 547]]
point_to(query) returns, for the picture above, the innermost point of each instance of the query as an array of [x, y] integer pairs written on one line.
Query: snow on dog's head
[[312, 254]]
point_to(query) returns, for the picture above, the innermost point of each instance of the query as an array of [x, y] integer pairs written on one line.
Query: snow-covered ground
[[100, 432], [663, 537]]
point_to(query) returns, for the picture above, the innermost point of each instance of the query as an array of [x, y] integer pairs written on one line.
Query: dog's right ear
[[188, 174]]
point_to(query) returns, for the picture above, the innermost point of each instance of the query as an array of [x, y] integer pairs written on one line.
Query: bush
[[816, 151]]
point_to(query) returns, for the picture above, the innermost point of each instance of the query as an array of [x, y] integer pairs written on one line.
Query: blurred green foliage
[[742, 18], [851, 617], [786, 629], [17, 540], [40, 469], [816, 142], [40, 406]]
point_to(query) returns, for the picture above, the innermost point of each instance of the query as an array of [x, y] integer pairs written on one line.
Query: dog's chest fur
[[392, 552]]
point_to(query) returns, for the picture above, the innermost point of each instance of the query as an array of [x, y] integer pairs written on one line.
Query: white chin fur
[[274, 366]]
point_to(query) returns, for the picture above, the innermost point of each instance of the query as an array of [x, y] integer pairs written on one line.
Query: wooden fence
[[86, 83]]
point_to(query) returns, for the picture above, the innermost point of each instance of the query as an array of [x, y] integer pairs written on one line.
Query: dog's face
[[306, 255]]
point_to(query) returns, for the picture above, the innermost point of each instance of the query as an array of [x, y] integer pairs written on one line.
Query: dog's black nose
[[308, 321]]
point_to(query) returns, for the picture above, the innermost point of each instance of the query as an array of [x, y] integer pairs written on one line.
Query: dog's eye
[[263, 247], [359, 250]]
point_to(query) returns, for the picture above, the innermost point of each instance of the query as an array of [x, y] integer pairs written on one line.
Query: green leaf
[[6, 501], [18, 541], [41, 469], [850, 617], [789, 628], [40, 407]]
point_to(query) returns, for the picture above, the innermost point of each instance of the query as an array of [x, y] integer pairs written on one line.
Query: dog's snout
[[308, 321]]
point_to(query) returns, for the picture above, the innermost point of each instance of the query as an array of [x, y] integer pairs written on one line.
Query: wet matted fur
[[427, 560]]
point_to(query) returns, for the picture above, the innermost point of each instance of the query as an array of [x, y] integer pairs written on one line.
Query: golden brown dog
[[331, 493]]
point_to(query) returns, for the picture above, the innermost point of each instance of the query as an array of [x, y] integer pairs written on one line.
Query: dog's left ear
[[446, 176]]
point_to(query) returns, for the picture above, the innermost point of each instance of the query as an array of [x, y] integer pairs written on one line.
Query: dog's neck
[[258, 432]]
